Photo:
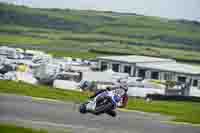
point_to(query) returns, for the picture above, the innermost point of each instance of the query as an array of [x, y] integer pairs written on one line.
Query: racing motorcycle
[[105, 102]]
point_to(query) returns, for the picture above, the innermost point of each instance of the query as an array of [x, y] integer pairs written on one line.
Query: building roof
[[107, 76], [172, 67], [135, 59]]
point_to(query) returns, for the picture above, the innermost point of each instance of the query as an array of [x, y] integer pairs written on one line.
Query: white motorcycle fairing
[[115, 100]]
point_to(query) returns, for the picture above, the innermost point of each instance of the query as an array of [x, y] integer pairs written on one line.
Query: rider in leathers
[[118, 88]]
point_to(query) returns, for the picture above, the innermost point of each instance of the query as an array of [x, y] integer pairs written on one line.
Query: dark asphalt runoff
[[59, 115]]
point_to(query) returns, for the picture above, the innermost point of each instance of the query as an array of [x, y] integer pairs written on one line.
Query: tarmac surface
[[60, 116]]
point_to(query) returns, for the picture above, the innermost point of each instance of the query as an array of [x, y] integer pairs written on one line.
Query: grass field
[[5, 128], [183, 111], [83, 55], [73, 33], [17, 39]]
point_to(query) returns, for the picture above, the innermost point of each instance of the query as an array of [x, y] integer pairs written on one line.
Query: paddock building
[[152, 68]]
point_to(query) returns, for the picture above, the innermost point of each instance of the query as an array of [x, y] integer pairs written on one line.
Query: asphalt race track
[[59, 115]]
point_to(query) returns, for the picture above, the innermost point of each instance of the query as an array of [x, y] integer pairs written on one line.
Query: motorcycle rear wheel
[[103, 108], [111, 113]]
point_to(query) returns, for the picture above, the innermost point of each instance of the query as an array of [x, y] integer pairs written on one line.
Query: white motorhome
[[11, 53]]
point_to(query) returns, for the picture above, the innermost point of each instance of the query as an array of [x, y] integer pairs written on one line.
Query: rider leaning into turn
[[119, 88]]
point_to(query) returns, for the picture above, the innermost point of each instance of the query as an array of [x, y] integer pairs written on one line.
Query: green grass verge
[[5, 128], [183, 111], [41, 91]]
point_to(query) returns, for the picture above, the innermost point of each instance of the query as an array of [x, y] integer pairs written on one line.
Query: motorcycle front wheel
[[82, 109]]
